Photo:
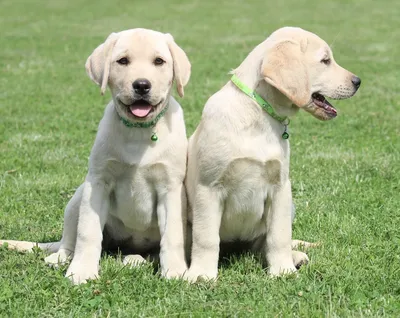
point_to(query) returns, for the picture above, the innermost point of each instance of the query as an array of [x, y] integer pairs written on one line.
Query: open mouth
[[140, 108], [321, 102]]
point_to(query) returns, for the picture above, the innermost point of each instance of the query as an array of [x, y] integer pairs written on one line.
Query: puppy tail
[[23, 246], [303, 244]]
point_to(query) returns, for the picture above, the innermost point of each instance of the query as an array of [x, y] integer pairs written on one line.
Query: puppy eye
[[123, 61], [159, 61], [326, 61]]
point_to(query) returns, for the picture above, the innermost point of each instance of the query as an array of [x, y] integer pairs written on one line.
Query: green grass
[[345, 173]]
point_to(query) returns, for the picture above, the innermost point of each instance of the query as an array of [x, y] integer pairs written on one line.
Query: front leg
[[279, 231], [171, 213], [207, 215], [92, 217]]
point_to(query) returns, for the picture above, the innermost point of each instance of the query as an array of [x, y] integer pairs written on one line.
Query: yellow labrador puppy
[[133, 197], [237, 181]]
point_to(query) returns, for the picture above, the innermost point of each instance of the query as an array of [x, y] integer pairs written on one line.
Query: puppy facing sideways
[[133, 196], [237, 180]]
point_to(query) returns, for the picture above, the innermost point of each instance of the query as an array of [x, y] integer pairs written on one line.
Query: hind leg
[[68, 241], [299, 259]]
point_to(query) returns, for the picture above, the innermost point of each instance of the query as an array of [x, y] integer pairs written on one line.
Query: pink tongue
[[140, 110]]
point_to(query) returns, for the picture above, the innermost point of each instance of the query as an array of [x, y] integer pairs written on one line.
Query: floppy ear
[[283, 68], [99, 62], [182, 65]]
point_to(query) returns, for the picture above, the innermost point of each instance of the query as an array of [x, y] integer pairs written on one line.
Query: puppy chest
[[135, 196], [134, 206], [244, 214], [248, 184]]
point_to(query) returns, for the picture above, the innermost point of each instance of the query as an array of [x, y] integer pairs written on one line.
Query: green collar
[[149, 124], [263, 103]]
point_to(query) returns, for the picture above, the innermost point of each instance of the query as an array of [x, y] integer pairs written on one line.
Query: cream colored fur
[[237, 180], [133, 192]]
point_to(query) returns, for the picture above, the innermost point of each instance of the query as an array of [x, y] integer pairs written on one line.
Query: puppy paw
[[193, 276], [133, 260], [80, 273], [59, 258], [176, 272], [299, 259], [282, 270]]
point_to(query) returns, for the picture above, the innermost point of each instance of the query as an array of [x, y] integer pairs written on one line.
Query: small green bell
[[154, 137], [285, 135]]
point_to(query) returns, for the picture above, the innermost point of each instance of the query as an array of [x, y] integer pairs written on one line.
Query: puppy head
[[139, 66], [300, 65]]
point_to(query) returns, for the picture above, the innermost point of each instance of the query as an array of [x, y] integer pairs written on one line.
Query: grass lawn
[[345, 173]]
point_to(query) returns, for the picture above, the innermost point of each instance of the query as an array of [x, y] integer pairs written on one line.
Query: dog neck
[[250, 74], [282, 105]]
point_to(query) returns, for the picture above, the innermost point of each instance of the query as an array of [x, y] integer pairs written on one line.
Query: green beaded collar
[[263, 103], [149, 124]]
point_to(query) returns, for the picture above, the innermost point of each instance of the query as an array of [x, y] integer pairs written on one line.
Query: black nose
[[141, 86], [356, 81]]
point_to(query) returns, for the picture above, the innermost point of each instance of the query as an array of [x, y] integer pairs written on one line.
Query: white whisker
[[334, 40]]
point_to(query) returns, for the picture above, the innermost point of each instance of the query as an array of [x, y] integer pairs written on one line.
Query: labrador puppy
[[237, 180], [133, 196]]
